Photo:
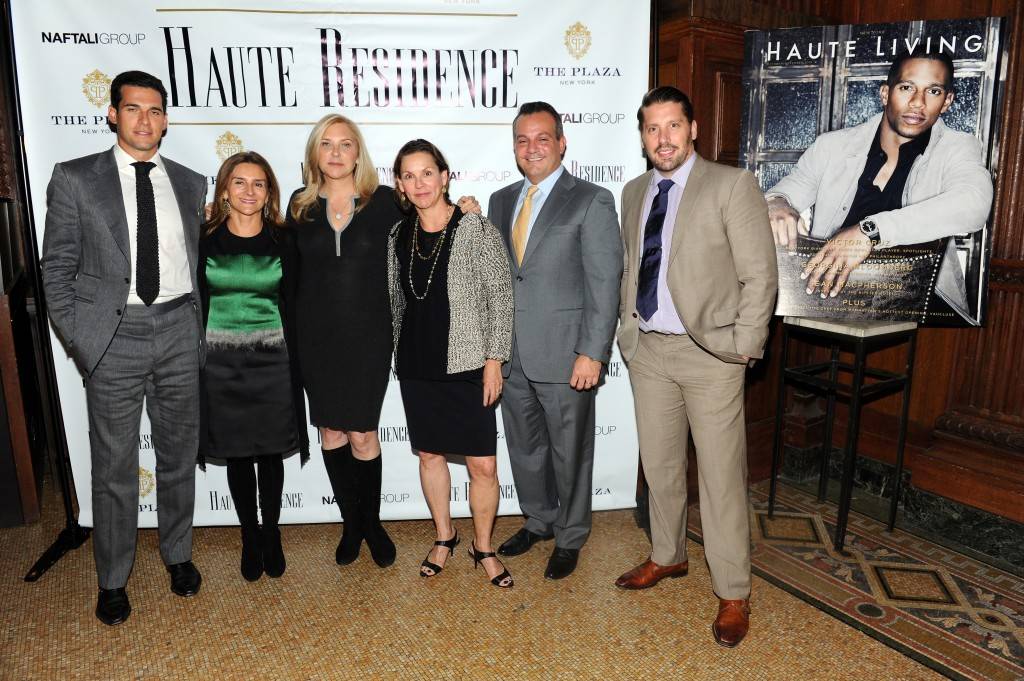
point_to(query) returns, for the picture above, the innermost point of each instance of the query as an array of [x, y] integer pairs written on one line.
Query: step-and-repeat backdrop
[[256, 75]]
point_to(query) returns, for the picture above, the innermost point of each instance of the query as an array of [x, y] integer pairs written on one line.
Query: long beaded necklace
[[435, 253]]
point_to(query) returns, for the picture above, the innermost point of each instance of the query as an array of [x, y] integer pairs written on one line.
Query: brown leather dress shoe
[[732, 622], [649, 573]]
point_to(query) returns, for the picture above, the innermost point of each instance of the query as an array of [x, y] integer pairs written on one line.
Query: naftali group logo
[[228, 145], [577, 40], [96, 88]]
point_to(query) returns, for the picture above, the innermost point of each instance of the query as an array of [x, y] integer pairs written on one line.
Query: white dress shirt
[[174, 268]]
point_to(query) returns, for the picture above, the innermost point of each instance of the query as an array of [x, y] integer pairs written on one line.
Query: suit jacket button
[[127, 280], [519, 278], [118, 312], [634, 315]]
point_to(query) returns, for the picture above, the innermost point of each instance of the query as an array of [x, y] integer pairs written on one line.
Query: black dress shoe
[[185, 578], [520, 542], [112, 606], [561, 563]]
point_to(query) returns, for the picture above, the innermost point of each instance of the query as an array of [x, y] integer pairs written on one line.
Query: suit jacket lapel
[[110, 202], [506, 214], [179, 183], [549, 212], [634, 232], [691, 194]]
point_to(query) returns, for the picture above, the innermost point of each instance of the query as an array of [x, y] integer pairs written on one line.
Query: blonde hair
[[219, 211], [365, 175]]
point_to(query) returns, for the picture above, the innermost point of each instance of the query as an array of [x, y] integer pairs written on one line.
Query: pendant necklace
[[435, 253]]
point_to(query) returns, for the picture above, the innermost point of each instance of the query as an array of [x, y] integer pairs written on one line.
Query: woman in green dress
[[253, 409]]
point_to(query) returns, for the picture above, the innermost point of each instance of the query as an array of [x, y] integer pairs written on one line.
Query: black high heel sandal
[[449, 544], [502, 581]]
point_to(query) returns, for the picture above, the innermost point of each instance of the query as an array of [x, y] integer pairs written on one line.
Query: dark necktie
[[650, 263], [147, 247]]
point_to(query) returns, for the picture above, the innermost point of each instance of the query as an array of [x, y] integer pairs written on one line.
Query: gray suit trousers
[[549, 428], [153, 355]]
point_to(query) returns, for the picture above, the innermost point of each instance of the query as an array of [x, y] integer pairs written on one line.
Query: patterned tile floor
[[959, 616], [320, 621]]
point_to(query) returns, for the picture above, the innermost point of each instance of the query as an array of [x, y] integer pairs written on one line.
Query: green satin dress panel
[[251, 404], [244, 300]]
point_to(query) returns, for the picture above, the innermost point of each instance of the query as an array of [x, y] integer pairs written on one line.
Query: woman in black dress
[[341, 219], [252, 406], [451, 296]]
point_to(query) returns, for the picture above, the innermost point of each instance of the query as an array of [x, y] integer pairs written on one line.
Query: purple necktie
[[650, 263]]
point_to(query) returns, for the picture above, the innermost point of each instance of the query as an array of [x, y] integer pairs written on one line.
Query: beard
[[670, 164]]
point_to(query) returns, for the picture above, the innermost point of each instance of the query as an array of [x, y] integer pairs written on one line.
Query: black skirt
[[249, 403], [448, 417]]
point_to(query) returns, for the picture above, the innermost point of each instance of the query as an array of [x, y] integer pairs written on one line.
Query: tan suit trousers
[[679, 387]]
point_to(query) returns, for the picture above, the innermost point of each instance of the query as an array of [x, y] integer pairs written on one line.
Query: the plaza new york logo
[[147, 482], [96, 88], [577, 40], [228, 145]]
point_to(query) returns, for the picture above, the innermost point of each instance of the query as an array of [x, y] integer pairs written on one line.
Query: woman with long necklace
[[251, 402], [451, 295]]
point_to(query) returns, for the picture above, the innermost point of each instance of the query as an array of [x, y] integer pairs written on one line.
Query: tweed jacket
[[949, 191], [479, 295]]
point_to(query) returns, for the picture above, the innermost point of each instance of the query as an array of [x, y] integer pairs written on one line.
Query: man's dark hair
[[920, 52], [136, 79], [539, 107], [660, 95]]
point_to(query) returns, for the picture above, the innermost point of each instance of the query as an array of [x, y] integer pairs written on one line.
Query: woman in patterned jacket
[[451, 299]]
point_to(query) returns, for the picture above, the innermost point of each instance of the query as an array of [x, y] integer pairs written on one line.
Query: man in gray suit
[[563, 239], [119, 273]]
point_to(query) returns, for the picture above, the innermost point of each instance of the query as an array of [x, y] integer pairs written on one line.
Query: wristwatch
[[870, 230]]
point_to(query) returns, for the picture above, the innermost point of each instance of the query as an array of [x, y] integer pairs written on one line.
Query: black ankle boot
[[241, 476], [368, 478], [273, 553], [270, 471], [252, 553], [338, 463]]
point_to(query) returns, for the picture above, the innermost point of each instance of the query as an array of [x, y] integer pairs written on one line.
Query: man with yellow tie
[[566, 255]]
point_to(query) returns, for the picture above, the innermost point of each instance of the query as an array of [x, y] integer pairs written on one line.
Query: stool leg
[[830, 415], [850, 455], [903, 433], [780, 408]]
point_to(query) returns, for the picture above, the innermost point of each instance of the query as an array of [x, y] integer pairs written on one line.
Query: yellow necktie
[[522, 220]]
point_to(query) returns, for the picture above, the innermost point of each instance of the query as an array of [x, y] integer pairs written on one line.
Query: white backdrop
[[256, 75]]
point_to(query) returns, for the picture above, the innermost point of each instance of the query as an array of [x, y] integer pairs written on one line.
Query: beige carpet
[[321, 621]]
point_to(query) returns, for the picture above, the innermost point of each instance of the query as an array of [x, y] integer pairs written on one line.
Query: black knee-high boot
[[338, 462], [270, 470], [368, 475], [242, 483]]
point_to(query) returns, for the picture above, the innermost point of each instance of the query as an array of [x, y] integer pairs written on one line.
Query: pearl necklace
[[435, 254]]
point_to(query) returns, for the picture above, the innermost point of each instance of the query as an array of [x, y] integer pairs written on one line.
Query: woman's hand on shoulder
[[469, 204], [492, 381]]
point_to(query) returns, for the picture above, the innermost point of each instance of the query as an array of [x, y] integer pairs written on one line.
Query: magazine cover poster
[[876, 146]]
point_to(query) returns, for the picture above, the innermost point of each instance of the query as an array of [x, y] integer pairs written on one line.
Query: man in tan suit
[[698, 289]]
